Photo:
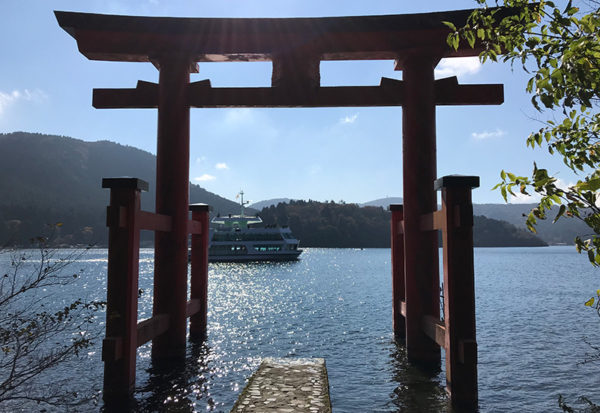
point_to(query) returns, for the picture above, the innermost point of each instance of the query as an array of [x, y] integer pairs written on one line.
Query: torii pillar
[[419, 173], [172, 198]]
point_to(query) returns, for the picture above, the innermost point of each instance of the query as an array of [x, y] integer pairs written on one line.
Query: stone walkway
[[287, 386]]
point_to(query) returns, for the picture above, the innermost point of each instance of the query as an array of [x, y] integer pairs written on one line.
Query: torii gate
[[296, 46]]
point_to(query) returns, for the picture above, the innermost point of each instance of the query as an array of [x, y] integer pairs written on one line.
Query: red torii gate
[[296, 46]]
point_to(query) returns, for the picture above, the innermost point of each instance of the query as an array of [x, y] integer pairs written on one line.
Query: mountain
[[383, 202], [489, 232], [268, 202], [320, 224], [45, 179], [328, 224], [562, 231]]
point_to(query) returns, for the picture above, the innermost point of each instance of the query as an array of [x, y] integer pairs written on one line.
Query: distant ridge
[[46, 179], [329, 224], [383, 202], [268, 202], [563, 231]]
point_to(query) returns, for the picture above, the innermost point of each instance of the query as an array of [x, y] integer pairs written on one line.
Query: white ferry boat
[[236, 238]]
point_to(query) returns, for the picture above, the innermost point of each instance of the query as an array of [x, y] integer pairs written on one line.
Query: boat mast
[[242, 203]]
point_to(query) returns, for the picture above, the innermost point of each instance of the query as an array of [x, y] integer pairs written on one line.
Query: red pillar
[[199, 274], [459, 289], [397, 271], [419, 172], [172, 198], [120, 345]]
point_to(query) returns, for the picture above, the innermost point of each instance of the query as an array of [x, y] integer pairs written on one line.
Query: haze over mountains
[[46, 179]]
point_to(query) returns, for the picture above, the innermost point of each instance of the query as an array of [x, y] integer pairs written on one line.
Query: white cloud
[[457, 66], [7, 99], [488, 135], [520, 198], [201, 159], [563, 184], [349, 119], [221, 165], [205, 178], [535, 197]]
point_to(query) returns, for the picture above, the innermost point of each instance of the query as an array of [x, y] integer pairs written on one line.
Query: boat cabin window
[[264, 248]]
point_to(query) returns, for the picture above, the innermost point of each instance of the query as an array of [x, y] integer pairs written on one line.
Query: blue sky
[[350, 154]]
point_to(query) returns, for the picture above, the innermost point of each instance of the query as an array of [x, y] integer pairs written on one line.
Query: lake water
[[532, 330]]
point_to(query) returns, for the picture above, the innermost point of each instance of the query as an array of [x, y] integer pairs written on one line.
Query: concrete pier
[[287, 386]]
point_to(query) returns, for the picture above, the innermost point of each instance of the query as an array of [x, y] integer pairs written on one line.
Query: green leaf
[[470, 38], [591, 185], [455, 42], [590, 302], [561, 211], [591, 257], [450, 25]]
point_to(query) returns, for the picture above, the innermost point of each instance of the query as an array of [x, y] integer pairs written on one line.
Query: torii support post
[[172, 199], [122, 287], [459, 288], [419, 172], [398, 297], [123, 332], [456, 332], [199, 273]]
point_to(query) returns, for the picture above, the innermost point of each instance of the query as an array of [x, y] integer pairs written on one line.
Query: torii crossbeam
[[295, 46]]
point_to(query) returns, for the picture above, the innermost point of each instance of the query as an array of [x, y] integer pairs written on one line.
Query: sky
[[349, 154]]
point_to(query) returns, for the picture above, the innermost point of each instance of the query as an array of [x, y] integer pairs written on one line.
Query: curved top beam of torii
[[133, 38], [296, 46]]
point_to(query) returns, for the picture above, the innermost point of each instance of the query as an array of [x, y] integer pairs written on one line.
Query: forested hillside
[[319, 224], [46, 179]]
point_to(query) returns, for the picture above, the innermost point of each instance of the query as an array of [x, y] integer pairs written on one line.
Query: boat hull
[[291, 256]]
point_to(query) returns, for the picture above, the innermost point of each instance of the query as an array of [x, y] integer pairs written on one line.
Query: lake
[[532, 328]]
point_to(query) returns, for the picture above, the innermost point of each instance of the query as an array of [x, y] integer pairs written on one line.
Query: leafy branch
[[560, 49], [34, 337]]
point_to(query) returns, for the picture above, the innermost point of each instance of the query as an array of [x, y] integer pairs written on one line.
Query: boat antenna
[[242, 203]]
